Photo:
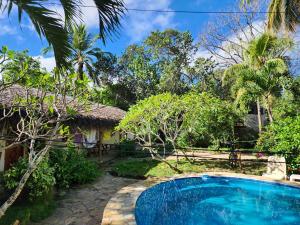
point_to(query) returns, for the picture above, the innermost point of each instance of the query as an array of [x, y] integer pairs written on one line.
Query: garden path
[[84, 205]]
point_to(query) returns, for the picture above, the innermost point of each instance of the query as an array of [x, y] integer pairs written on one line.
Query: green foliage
[[263, 74], [283, 137], [27, 212], [71, 167], [40, 182], [207, 118], [160, 113], [172, 51], [185, 120], [163, 62]]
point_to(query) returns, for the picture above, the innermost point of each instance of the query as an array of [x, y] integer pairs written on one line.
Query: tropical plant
[[49, 24], [155, 120], [41, 115], [262, 75], [283, 137], [39, 184], [173, 51], [282, 13], [207, 119], [162, 122], [72, 167], [83, 50]]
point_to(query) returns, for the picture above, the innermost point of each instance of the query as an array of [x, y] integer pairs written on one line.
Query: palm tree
[[49, 25], [262, 73], [85, 56], [83, 49], [282, 13]]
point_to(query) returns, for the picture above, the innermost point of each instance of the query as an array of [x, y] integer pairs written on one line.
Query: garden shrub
[[26, 212], [72, 167], [283, 137], [127, 148], [40, 182]]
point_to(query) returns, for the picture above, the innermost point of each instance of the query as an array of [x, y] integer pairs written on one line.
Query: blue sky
[[135, 25]]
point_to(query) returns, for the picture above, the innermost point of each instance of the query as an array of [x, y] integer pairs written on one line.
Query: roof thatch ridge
[[94, 111]]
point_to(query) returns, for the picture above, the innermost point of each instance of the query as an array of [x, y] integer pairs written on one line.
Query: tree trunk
[[270, 113], [269, 109], [80, 70], [259, 117]]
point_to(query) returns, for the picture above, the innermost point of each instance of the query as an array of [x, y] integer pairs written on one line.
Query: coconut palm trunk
[[80, 71], [259, 119]]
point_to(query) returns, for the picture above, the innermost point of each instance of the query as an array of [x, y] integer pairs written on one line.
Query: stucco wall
[[109, 136]]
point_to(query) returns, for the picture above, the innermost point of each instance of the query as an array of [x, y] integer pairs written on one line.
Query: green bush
[[72, 167], [27, 212], [283, 137], [40, 182]]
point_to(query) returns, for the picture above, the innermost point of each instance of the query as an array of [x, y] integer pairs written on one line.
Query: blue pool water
[[212, 200]]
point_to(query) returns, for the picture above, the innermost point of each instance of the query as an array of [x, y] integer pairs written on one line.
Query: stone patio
[[111, 200], [85, 204]]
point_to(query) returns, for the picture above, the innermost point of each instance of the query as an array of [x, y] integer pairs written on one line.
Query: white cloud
[[46, 62], [7, 30], [137, 25]]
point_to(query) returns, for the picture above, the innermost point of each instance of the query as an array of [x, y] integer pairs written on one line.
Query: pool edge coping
[[120, 210]]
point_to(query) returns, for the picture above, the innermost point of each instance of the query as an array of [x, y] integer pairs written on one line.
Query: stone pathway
[[85, 204]]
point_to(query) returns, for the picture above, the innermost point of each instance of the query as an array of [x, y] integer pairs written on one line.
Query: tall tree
[[262, 74], [83, 50], [173, 51], [49, 24]]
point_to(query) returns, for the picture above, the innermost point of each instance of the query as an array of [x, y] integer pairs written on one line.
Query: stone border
[[120, 208]]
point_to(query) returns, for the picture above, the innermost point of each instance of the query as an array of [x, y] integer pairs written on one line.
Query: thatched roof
[[92, 113]]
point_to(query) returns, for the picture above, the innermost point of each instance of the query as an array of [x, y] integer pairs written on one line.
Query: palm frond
[[233, 72], [275, 17], [71, 11], [109, 12], [291, 14], [46, 24], [276, 66]]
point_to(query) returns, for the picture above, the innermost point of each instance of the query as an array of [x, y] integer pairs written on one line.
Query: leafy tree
[[283, 137], [207, 119], [49, 24], [262, 75], [205, 76], [113, 94], [22, 69], [166, 120], [288, 105], [105, 68], [155, 120], [41, 115], [138, 72], [173, 51]]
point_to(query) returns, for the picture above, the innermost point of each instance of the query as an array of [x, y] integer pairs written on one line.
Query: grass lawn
[[144, 168]]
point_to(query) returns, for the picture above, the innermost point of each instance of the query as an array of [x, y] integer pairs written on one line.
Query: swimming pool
[[210, 200]]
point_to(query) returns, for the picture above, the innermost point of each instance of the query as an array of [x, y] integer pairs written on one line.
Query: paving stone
[[84, 205]]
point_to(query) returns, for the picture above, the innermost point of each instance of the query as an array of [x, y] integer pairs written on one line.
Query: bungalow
[[92, 128]]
